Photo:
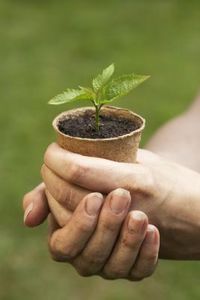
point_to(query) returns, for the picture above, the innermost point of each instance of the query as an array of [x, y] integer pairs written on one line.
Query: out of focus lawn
[[46, 46]]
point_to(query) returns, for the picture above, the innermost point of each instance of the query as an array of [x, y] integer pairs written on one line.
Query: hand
[[134, 245], [99, 238], [167, 192]]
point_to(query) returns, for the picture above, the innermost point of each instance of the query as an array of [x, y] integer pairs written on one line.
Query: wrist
[[179, 217]]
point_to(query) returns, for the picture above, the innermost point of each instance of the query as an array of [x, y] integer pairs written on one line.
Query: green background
[[46, 46]]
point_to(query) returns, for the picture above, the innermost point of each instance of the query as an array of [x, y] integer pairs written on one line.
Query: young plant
[[104, 90]]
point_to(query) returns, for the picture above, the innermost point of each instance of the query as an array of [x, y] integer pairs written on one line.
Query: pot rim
[[62, 114]]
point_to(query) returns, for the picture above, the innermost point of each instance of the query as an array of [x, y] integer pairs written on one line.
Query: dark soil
[[84, 126]]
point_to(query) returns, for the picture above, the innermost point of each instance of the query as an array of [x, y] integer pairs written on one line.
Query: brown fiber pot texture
[[122, 148]]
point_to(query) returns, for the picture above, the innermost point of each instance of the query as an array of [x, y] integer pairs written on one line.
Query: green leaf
[[88, 91], [71, 95], [103, 78], [121, 86]]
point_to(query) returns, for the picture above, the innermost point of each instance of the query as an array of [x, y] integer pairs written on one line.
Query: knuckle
[[136, 275], [147, 270], [77, 171], [148, 273], [92, 260], [61, 196], [126, 243], [59, 249], [145, 181], [57, 258], [110, 224], [69, 199], [84, 268], [149, 180], [84, 272], [60, 191], [129, 243], [151, 259], [140, 275], [113, 273], [83, 226]]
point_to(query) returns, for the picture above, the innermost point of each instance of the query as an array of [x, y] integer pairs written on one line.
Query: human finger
[[99, 247], [61, 214], [128, 245], [67, 194], [95, 174], [67, 242], [148, 256], [35, 206]]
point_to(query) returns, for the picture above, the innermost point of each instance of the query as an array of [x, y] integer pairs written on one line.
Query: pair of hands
[[91, 230], [98, 233]]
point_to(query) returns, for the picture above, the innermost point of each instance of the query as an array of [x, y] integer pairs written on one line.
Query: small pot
[[122, 148]]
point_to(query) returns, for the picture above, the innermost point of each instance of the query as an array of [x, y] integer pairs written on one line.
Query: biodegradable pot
[[122, 148]]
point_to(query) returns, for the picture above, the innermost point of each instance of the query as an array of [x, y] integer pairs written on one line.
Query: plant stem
[[97, 107]]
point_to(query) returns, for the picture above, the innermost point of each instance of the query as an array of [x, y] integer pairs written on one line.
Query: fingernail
[[93, 204], [120, 200], [28, 210], [150, 235], [136, 222]]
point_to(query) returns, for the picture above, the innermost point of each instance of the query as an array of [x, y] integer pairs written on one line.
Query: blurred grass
[[46, 46]]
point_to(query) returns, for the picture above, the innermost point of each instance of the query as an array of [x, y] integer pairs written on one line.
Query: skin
[[103, 237], [92, 231], [178, 140], [159, 188], [166, 191]]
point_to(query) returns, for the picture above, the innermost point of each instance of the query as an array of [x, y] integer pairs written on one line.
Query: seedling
[[104, 90]]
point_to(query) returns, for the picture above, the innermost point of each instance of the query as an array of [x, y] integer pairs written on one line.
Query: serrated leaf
[[121, 86], [71, 95], [103, 78]]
